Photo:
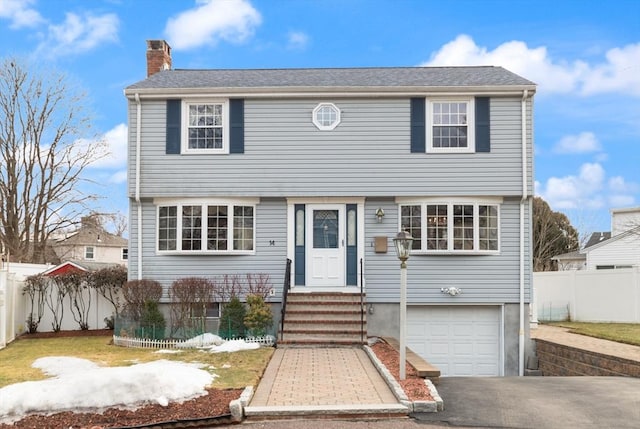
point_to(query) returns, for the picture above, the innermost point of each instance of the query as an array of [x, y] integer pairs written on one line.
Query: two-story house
[[90, 243], [236, 171]]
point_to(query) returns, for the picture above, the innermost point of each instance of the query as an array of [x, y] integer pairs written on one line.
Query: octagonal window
[[326, 116]]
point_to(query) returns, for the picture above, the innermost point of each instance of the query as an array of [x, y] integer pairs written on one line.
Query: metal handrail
[[361, 301], [285, 293]]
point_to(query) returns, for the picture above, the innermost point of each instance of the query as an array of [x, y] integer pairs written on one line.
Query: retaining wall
[[560, 360]]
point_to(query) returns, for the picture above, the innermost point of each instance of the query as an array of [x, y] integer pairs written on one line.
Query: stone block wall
[[560, 360]]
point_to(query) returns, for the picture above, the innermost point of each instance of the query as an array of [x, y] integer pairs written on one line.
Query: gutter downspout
[[521, 336], [137, 196]]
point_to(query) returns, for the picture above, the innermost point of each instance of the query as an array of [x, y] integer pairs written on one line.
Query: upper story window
[[125, 254], [451, 227], [206, 128], [207, 227], [450, 125], [326, 116], [89, 252]]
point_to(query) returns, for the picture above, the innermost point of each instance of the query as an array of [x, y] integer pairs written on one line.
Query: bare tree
[[44, 148], [553, 235]]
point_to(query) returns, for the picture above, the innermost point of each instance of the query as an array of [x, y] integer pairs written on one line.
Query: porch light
[[403, 242], [380, 214]]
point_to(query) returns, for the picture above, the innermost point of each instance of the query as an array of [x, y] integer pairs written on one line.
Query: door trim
[[360, 220]]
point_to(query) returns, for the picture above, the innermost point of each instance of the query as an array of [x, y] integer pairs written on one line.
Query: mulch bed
[[210, 406]]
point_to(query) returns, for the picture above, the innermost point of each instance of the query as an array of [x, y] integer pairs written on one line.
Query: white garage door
[[458, 340]]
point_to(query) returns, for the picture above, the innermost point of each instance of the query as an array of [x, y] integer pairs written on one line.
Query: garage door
[[459, 340]]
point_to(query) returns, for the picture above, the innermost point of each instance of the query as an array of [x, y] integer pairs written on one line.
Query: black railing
[[285, 293], [362, 309]]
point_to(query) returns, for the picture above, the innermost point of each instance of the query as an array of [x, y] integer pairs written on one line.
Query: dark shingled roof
[[598, 237], [334, 77]]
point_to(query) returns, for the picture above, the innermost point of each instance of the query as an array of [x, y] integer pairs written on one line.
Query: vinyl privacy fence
[[588, 295]]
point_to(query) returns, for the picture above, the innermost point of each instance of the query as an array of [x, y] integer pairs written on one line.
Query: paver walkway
[[561, 335], [321, 376]]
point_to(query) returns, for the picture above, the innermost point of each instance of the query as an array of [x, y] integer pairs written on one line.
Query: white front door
[[325, 245]]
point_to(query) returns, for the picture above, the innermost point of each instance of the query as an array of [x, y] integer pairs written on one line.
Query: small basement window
[[326, 116]]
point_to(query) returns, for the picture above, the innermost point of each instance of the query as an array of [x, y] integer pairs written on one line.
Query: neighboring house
[[617, 249], [577, 260], [236, 171], [91, 243]]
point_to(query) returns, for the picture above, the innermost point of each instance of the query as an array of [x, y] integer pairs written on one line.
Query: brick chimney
[[158, 56]]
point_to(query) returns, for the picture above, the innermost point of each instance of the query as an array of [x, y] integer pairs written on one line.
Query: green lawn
[[628, 333], [244, 368]]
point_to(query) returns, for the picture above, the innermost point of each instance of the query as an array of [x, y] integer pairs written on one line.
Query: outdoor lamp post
[[403, 242]]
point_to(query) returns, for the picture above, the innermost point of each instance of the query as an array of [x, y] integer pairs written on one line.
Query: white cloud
[[211, 21], [618, 74], [589, 189], [20, 14], [79, 33], [572, 191], [297, 40], [116, 139], [581, 143]]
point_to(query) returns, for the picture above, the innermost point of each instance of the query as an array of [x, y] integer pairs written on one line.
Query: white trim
[[360, 203], [471, 141], [212, 201], [332, 92], [93, 253], [230, 203], [445, 200], [321, 126], [450, 230], [326, 200], [184, 126]]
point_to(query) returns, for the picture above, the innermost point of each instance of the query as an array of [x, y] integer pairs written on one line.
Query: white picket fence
[[148, 343], [588, 295]]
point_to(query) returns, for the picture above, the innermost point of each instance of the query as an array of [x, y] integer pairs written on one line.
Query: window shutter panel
[[236, 122], [418, 130], [173, 126], [483, 128]]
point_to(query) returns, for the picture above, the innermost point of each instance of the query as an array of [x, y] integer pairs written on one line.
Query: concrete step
[[324, 297], [312, 307], [321, 336], [325, 325], [321, 315]]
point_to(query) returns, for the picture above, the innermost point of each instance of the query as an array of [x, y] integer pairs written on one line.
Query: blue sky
[[583, 54]]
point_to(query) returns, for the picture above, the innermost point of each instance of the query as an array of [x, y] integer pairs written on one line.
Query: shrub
[[137, 293], [232, 319], [189, 298], [152, 322], [259, 317]]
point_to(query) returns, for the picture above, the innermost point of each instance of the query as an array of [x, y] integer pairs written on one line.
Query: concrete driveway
[[538, 402]]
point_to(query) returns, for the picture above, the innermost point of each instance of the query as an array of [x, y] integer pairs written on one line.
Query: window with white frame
[[206, 227], [450, 125], [465, 227], [326, 116], [89, 252], [205, 127]]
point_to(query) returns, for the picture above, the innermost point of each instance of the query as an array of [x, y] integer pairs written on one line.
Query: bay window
[[206, 227], [465, 227]]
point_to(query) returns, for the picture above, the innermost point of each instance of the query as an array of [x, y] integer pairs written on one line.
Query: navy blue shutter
[[483, 129], [418, 131], [299, 257], [236, 121], [173, 126]]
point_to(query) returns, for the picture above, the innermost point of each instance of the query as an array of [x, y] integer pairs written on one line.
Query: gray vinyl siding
[[483, 278], [368, 154], [271, 226]]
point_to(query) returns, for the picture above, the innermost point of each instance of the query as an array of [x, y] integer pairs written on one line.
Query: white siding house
[[238, 171]]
